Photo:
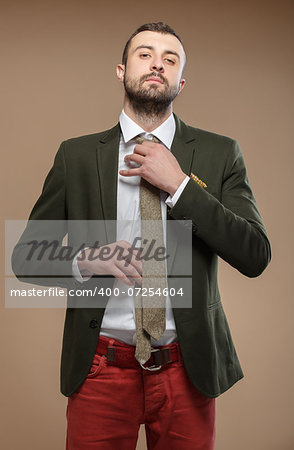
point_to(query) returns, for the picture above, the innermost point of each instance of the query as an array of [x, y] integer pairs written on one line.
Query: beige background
[[58, 81]]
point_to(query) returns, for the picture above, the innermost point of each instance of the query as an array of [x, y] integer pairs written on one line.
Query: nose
[[157, 66]]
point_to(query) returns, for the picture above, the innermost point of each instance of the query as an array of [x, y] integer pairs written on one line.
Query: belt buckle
[[154, 367]]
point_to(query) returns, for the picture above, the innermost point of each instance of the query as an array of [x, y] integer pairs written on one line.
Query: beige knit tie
[[150, 309]]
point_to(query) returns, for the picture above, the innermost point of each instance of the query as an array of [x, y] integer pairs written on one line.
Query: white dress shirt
[[119, 316]]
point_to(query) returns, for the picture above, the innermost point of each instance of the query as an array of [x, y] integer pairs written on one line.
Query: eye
[[144, 55], [170, 61]]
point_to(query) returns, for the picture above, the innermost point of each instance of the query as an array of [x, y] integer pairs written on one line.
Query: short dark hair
[[159, 27]]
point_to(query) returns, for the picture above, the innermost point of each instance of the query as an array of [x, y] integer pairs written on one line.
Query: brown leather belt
[[123, 355]]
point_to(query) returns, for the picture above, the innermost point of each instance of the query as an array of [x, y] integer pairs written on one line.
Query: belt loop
[[179, 353], [111, 350]]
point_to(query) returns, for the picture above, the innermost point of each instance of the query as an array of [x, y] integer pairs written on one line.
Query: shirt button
[[93, 323]]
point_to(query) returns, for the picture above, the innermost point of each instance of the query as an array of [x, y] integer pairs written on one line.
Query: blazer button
[[93, 323], [194, 228]]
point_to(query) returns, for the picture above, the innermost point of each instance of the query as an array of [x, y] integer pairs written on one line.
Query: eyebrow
[[166, 52]]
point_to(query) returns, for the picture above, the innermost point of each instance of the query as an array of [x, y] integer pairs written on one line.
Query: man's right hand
[[117, 259]]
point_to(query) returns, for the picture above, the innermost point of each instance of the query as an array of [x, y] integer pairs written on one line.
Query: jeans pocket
[[97, 365]]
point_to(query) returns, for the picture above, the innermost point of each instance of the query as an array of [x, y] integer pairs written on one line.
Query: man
[[201, 178]]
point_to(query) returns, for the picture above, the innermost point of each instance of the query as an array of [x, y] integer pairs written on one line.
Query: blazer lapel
[[183, 146], [107, 163], [184, 149]]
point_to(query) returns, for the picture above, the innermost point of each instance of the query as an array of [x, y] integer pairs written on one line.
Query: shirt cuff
[[171, 201], [80, 277]]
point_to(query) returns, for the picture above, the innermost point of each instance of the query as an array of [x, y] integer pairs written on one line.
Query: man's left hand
[[158, 166]]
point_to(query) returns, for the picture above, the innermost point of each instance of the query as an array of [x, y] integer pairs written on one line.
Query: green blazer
[[82, 185]]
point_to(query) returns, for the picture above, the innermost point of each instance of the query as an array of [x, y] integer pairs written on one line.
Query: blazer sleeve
[[232, 226], [39, 256]]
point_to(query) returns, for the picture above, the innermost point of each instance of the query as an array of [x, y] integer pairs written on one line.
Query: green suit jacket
[[82, 185]]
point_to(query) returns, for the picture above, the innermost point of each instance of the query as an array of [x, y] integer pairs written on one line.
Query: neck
[[145, 120]]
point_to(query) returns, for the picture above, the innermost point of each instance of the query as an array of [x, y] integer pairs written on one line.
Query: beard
[[150, 101]]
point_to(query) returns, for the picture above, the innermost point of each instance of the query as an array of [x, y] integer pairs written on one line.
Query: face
[[153, 73]]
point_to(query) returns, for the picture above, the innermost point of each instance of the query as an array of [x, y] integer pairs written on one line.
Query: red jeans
[[105, 413]]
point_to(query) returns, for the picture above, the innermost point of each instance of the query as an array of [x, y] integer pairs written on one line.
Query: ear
[[120, 72], [181, 85]]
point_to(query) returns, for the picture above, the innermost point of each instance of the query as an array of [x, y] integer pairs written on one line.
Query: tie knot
[[141, 139]]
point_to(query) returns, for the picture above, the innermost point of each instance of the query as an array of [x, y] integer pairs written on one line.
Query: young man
[[114, 380]]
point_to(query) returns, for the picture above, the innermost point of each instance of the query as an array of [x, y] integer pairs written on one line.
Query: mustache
[[154, 74]]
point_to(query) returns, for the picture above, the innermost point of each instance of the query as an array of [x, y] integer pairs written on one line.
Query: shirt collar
[[165, 132]]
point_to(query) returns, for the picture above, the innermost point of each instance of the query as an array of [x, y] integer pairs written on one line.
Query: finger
[[146, 146], [136, 263], [111, 269], [129, 255], [131, 172], [139, 159], [141, 149], [120, 275], [129, 271]]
